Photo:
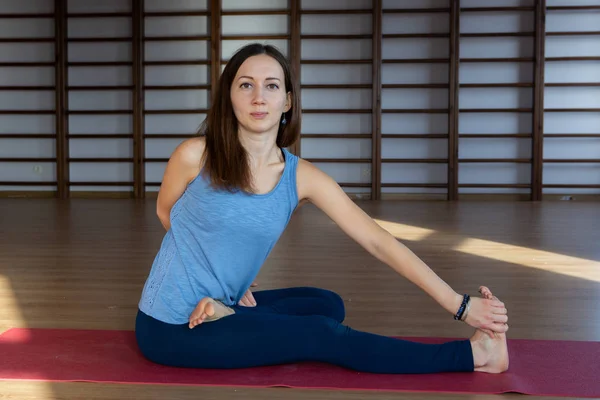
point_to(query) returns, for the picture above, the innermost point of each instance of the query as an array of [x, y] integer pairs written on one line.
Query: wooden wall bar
[[138, 112], [62, 99]]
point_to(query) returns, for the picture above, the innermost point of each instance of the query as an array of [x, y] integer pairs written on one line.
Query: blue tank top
[[216, 245]]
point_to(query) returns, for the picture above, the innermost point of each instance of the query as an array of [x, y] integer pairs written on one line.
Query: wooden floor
[[82, 264]]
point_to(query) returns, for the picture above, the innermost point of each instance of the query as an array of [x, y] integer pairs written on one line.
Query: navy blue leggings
[[288, 326]]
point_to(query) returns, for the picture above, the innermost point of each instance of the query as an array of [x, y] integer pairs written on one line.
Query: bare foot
[[490, 350], [208, 310], [489, 354]]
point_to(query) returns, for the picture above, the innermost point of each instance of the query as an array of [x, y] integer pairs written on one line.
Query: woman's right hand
[[488, 313]]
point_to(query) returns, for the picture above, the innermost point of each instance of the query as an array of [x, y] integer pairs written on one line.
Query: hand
[[248, 299], [488, 313]]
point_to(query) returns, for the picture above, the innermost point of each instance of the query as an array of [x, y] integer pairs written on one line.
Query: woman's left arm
[[321, 190]]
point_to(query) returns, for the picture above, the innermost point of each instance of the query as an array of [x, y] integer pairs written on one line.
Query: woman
[[225, 199]]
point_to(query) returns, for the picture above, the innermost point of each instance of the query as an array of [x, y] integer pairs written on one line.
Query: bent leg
[[301, 301], [252, 339]]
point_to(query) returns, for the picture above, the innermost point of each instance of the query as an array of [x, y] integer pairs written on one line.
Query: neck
[[261, 148]]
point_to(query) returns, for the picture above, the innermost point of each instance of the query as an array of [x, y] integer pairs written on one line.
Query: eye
[[245, 85], [273, 86]]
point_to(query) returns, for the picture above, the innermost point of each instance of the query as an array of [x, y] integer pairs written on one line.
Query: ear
[[288, 102]]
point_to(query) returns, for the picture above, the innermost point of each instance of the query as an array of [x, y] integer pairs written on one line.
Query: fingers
[[248, 300], [254, 284]]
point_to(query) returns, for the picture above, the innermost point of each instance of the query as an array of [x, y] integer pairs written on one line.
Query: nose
[[258, 96]]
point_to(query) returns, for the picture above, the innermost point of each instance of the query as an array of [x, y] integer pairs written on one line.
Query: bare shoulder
[[190, 151], [313, 183]]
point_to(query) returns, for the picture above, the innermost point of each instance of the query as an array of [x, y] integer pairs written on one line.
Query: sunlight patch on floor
[[540, 259], [405, 232], [10, 314]]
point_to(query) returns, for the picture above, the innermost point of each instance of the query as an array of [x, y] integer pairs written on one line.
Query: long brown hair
[[225, 161]]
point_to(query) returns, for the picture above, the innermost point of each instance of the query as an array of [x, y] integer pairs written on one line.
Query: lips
[[259, 114]]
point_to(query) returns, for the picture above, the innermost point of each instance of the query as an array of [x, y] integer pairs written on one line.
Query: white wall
[[336, 123]]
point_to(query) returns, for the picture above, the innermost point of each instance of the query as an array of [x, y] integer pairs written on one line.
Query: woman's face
[[258, 94]]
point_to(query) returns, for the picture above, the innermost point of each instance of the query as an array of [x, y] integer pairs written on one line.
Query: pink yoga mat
[[537, 367]]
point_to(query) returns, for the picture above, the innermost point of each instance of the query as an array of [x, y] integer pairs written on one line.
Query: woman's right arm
[[182, 168]]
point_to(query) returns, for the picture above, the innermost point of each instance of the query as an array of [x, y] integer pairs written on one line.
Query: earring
[[283, 121]]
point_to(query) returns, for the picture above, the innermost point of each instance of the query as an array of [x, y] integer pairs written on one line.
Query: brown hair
[[225, 159]]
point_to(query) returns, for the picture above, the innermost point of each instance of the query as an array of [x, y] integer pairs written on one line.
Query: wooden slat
[[26, 88], [415, 136], [495, 110], [416, 10], [572, 160], [414, 185], [337, 135], [415, 86], [100, 15], [27, 136], [337, 86], [101, 136], [502, 9], [496, 85], [254, 12], [495, 185], [415, 110], [414, 160], [100, 159], [572, 8], [338, 111], [181, 38], [537, 143], [102, 183], [27, 64], [215, 45], [335, 62], [572, 110], [199, 13], [574, 33], [495, 135], [376, 100], [99, 63], [61, 98], [138, 30], [27, 159], [495, 160], [341, 161], [572, 84], [572, 135], [571, 186], [177, 87], [414, 35], [415, 61], [188, 111], [100, 88], [295, 50], [337, 12], [27, 40], [453, 103], [497, 59], [27, 15], [179, 62], [589, 58], [26, 183], [497, 34], [334, 37]]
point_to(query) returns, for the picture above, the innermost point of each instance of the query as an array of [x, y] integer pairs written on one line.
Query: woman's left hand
[[488, 313], [248, 299]]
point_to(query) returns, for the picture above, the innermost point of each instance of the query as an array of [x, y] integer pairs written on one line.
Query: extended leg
[[258, 339]]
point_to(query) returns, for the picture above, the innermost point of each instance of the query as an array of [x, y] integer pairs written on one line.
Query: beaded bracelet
[[462, 307]]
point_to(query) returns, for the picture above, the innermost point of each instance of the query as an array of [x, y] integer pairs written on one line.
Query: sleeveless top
[[216, 245]]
